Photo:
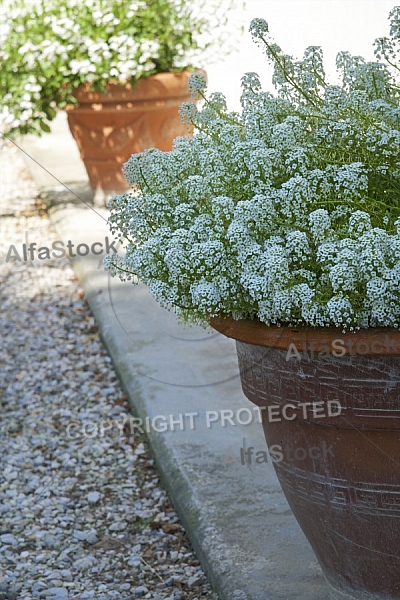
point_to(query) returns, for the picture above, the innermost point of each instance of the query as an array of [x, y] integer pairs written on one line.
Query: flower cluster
[[288, 212], [49, 48]]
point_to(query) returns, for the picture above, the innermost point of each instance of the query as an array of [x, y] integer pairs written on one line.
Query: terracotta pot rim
[[150, 89], [374, 341]]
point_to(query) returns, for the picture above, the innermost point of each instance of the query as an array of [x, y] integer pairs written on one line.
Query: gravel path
[[80, 517]]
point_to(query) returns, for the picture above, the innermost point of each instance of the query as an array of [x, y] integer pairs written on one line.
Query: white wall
[[335, 25]]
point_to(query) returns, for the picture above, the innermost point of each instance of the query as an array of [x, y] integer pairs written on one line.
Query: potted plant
[[119, 67], [280, 226]]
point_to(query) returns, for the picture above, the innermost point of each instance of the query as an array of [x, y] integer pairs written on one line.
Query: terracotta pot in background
[[109, 127], [347, 500]]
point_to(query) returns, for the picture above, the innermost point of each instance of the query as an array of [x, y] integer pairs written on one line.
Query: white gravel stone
[[118, 526], [93, 497], [134, 561], [91, 537], [7, 538], [125, 586], [58, 591]]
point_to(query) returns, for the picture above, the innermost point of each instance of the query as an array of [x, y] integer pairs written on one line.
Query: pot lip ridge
[[374, 341], [160, 85]]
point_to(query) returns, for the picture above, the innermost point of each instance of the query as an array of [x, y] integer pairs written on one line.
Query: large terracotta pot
[[109, 127], [346, 497]]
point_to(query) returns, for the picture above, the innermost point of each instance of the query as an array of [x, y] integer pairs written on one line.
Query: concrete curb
[[236, 518]]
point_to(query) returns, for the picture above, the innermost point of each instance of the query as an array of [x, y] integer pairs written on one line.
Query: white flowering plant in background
[[288, 212], [48, 48]]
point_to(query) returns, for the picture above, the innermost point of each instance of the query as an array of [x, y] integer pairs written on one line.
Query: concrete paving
[[235, 515]]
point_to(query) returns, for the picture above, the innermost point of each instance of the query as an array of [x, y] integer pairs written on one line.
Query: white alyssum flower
[[197, 83], [288, 212], [66, 43]]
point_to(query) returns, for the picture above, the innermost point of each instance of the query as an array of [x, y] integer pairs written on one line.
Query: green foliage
[[51, 47]]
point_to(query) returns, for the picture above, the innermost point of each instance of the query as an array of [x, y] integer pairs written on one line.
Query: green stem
[[288, 77], [222, 115], [124, 270]]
